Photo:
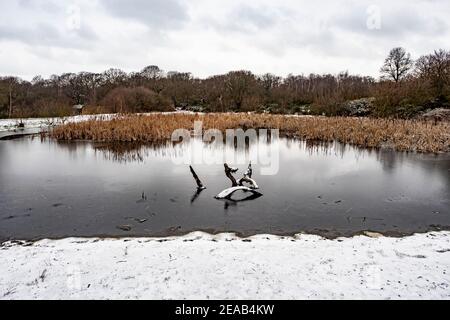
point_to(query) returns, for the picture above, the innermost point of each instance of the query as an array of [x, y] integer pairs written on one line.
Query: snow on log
[[227, 193], [239, 185], [249, 171], [253, 184]]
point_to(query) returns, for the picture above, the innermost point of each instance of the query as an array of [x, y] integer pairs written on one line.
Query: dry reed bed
[[402, 135]]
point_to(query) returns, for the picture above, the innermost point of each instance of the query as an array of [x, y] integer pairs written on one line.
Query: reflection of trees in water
[[322, 148], [73, 148], [124, 151], [138, 152], [389, 159], [433, 163]]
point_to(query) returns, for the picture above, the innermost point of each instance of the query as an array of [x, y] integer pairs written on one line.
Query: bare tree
[[435, 68], [152, 89], [13, 82], [152, 72], [238, 85], [397, 64], [153, 76]]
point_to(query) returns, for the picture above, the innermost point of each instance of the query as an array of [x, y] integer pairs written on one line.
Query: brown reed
[[401, 135]]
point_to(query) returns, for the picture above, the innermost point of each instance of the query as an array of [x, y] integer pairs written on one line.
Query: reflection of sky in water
[[325, 160], [318, 186]]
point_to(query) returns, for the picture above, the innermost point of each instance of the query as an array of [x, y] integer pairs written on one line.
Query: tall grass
[[402, 135]]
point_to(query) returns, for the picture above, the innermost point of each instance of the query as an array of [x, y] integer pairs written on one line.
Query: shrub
[[133, 100]]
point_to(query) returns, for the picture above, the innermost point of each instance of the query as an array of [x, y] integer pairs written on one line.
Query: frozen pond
[[50, 189]]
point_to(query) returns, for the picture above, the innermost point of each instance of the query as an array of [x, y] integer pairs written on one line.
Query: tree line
[[405, 88]]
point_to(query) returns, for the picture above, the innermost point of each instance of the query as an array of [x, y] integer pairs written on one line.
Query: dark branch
[[229, 173], [249, 171], [200, 185]]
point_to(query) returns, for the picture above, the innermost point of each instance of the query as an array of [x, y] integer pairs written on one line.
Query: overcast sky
[[209, 37]]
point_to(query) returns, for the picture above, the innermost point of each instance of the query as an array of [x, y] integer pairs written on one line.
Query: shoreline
[[331, 235], [202, 266]]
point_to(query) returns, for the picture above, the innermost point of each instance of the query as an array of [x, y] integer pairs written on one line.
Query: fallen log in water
[[238, 185], [227, 193], [253, 184], [200, 185], [248, 178]]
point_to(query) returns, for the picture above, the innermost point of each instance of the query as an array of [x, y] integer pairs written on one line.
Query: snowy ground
[[12, 124], [201, 266]]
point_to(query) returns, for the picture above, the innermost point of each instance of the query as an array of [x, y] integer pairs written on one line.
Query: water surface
[[52, 190]]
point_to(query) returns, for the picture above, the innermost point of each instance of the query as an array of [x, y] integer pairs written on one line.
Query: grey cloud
[[316, 35], [276, 29], [395, 23], [159, 14], [41, 32], [45, 34], [248, 19], [251, 17], [43, 23], [49, 6]]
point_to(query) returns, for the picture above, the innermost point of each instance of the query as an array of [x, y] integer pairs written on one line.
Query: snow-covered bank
[[201, 266], [11, 124]]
